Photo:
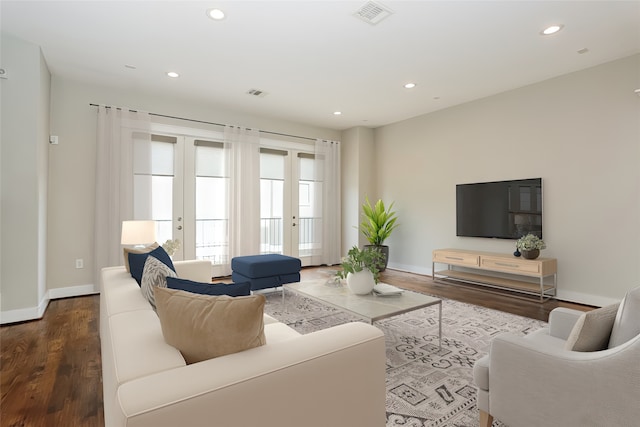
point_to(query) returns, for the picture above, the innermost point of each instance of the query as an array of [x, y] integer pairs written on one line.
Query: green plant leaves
[[358, 260], [378, 222]]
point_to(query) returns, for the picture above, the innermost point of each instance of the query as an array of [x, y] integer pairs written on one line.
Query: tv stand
[[497, 270]]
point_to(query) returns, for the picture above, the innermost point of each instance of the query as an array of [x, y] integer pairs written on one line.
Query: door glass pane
[[271, 202], [309, 222], [153, 168], [212, 233]]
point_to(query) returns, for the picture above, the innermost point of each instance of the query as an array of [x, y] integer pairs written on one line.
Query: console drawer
[[456, 258], [510, 266]]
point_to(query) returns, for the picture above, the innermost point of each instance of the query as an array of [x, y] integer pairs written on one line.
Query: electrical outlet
[[79, 263]]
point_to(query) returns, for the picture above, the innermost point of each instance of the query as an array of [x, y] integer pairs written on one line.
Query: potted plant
[[377, 225], [360, 268], [530, 246]]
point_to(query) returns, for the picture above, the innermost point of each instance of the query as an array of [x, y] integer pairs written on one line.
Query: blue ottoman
[[265, 271]]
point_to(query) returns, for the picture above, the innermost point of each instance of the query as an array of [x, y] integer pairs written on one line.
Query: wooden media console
[[498, 271]]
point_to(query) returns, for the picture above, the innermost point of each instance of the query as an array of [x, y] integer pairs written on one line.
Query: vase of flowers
[[530, 246]]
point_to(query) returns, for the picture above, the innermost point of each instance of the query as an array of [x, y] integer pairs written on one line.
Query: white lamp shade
[[138, 232]]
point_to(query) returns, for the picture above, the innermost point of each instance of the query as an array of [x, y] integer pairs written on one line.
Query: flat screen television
[[499, 209]]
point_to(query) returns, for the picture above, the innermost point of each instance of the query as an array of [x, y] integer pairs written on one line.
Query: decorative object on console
[[377, 226], [360, 268], [530, 246]]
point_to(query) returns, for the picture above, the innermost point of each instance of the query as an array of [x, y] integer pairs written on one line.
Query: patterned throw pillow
[[136, 262], [154, 275], [143, 250]]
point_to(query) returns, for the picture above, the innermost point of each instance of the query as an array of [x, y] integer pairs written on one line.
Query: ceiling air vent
[[373, 12], [257, 92]]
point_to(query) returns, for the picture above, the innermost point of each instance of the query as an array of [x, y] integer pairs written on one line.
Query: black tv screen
[[501, 209]]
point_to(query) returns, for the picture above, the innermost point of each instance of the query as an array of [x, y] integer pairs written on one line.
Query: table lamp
[[138, 233]]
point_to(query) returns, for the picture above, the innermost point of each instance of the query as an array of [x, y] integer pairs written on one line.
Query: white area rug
[[426, 387]]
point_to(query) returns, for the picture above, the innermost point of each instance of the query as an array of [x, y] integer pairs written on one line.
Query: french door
[[288, 221], [181, 182]]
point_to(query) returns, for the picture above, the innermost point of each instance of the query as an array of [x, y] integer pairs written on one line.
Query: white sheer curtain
[[114, 180], [242, 149], [327, 202]]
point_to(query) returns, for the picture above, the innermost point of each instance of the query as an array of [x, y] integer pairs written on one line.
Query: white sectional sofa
[[334, 377]]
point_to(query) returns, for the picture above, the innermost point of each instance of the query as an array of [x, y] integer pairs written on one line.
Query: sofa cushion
[[265, 265], [627, 323], [231, 289], [154, 276], [203, 327], [136, 262], [143, 250], [592, 330], [137, 346]]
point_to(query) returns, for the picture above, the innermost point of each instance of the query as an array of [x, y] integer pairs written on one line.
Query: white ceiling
[[314, 57]]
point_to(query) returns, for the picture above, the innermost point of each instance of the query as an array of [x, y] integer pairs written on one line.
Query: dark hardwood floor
[[51, 368]]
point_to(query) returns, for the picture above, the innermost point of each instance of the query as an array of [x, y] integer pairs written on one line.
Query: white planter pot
[[360, 283]]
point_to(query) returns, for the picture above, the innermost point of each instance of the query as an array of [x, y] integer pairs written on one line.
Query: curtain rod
[[205, 122]]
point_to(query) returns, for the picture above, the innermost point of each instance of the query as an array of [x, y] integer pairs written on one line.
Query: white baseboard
[[72, 291], [410, 268], [581, 298], [32, 313], [24, 314]]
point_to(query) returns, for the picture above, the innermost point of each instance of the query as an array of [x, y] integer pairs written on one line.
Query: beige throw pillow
[[203, 327], [627, 324], [592, 330], [127, 251]]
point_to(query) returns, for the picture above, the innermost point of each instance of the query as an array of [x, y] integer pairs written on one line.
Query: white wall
[[72, 164], [25, 135], [579, 132]]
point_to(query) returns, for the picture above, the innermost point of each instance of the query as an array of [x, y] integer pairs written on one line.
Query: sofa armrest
[[198, 270], [331, 377], [562, 320], [532, 384]]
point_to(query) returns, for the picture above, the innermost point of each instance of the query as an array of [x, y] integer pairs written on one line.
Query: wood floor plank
[[50, 369]]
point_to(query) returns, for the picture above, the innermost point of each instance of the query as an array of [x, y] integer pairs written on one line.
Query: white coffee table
[[370, 307]]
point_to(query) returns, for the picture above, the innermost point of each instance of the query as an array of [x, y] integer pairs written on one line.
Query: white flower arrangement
[[171, 246], [530, 242]]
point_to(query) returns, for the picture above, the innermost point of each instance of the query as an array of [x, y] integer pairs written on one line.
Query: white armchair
[[536, 381]]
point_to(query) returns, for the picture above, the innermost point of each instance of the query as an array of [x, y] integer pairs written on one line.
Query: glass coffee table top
[[370, 307]]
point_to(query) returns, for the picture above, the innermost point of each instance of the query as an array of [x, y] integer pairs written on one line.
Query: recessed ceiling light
[[215, 14], [337, 113], [551, 30], [409, 85], [173, 74]]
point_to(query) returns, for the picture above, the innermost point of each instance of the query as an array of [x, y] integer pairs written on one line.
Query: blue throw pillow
[[136, 262], [231, 289]]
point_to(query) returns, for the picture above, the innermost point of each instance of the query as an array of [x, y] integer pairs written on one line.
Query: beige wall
[[579, 132], [24, 157], [72, 164], [358, 181]]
